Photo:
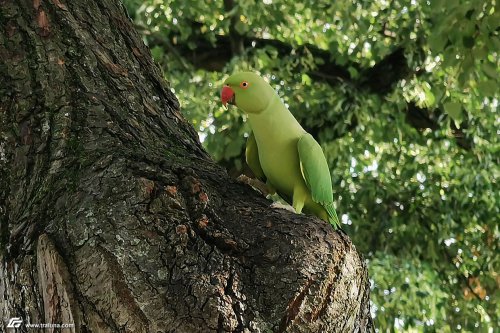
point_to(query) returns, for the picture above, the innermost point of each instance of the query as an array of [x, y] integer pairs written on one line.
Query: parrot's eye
[[244, 84]]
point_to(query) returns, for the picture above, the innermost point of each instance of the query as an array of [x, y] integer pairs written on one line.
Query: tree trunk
[[113, 217]]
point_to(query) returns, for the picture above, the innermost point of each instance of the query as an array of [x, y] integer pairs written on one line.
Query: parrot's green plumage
[[280, 151]]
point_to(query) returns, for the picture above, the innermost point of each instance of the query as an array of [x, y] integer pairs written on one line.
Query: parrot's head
[[248, 91]]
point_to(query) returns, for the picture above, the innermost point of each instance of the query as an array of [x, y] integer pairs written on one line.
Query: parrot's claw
[[279, 205], [255, 183]]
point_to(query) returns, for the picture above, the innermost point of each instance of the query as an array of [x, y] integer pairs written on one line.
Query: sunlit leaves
[[421, 207]]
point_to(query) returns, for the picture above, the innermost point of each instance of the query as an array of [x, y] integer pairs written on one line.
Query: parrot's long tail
[[332, 217]]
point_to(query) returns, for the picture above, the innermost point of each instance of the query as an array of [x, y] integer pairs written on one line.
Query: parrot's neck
[[275, 122]]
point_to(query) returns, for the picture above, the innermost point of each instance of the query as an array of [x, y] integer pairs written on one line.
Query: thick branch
[[235, 38], [421, 119]]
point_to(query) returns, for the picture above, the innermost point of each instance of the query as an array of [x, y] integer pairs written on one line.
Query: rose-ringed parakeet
[[279, 150]]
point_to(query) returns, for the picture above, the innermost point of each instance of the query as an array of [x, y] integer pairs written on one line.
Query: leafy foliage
[[414, 166]]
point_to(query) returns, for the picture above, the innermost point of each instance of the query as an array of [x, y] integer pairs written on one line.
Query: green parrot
[[279, 151]]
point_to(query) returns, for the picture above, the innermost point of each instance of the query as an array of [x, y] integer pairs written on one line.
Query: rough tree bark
[[113, 217]]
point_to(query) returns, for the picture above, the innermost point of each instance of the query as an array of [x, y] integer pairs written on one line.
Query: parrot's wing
[[316, 174], [252, 157]]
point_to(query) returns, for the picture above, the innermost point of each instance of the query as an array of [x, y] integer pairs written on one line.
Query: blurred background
[[403, 97]]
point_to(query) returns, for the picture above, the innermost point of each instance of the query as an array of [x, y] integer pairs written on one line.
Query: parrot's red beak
[[227, 95]]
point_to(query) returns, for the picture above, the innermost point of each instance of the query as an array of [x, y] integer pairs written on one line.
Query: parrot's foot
[[279, 205], [255, 183]]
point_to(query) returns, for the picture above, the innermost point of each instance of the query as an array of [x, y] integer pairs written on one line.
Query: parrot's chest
[[277, 134], [280, 163]]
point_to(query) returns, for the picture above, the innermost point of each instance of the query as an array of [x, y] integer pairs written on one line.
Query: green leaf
[[454, 110], [430, 99], [480, 52], [306, 80], [353, 72], [157, 53], [241, 27], [437, 4], [450, 57], [488, 88], [490, 70], [437, 42]]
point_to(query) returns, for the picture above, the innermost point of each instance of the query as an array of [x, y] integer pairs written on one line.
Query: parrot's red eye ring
[[244, 84]]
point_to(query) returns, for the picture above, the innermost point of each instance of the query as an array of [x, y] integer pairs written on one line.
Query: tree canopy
[[403, 97]]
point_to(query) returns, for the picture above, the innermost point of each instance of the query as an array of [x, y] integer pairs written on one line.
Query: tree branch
[[236, 40]]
